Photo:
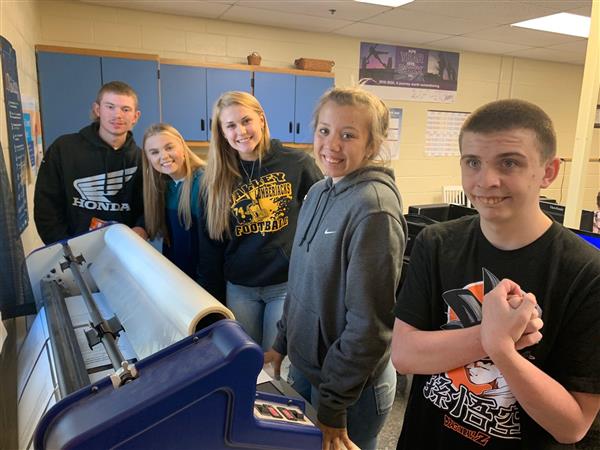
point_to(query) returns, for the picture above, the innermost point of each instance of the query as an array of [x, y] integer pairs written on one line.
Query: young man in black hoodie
[[95, 175]]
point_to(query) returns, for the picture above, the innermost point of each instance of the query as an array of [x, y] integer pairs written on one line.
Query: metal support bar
[[70, 368], [101, 326]]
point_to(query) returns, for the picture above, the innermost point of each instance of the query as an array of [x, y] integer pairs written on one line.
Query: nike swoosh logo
[[329, 232]]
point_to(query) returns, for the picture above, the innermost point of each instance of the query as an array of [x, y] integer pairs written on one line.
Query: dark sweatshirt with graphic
[[82, 177], [344, 271], [264, 208]]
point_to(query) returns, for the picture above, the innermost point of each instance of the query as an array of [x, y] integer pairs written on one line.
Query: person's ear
[[551, 169], [136, 117], [96, 110]]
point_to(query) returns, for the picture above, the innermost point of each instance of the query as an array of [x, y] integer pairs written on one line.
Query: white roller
[[156, 302]]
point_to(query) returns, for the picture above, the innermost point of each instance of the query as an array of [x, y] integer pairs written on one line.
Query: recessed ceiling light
[[392, 3], [563, 23]]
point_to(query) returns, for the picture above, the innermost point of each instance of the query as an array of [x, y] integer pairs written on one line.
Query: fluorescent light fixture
[[563, 23], [392, 3]]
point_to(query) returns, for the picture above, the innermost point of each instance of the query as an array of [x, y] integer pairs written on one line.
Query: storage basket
[[318, 65], [254, 59]]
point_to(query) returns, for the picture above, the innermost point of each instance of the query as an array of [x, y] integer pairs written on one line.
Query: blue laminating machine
[[197, 393], [128, 351]]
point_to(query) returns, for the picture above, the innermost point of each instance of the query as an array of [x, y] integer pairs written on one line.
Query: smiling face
[[502, 173], [243, 128], [166, 154], [341, 139], [117, 114]]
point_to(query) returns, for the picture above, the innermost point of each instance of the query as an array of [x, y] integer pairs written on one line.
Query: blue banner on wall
[[17, 145]]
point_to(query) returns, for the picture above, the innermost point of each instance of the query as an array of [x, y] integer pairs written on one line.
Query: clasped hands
[[511, 321]]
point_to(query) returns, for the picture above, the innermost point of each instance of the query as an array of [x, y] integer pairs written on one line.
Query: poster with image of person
[[408, 73]]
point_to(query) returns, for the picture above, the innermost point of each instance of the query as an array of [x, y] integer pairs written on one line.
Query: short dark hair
[[510, 114], [117, 87]]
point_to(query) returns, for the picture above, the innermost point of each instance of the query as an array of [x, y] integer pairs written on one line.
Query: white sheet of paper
[[263, 377]]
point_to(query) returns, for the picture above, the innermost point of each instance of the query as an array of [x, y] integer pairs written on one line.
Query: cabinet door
[[183, 99], [219, 81], [276, 92], [308, 92], [68, 87], [142, 76]]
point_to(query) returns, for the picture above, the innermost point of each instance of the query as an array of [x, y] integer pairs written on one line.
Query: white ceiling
[[469, 25]]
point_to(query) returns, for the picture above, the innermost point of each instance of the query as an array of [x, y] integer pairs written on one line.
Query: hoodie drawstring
[[329, 190]]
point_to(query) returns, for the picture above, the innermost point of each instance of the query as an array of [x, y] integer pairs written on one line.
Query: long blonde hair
[[222, 172], [155, 185]]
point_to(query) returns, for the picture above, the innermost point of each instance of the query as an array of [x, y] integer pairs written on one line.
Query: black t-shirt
[[472, 406]]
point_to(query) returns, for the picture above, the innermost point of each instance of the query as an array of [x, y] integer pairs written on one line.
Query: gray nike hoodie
[[345, 268]]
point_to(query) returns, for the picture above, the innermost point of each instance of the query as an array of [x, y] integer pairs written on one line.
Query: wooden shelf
[[180, 62]]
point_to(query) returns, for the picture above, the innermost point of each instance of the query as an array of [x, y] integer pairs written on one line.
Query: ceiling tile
[[379, 34], [577, 48], [208, 9], [545, 54], [482, 11], [518, 35], [471, 25], [417, 20], [343, 10], [476, 45], [282, 19]]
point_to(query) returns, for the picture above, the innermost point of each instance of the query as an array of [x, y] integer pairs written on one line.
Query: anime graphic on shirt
[[261, 205], [476, 399]]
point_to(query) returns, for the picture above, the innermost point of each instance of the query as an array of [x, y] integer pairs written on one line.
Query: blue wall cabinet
[[289, 101], [142, 76], [308, 92], [276, 92], [68, 86], [183, 99], [188, 95]]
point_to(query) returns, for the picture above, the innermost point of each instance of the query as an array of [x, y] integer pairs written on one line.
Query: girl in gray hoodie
[[344, 271]]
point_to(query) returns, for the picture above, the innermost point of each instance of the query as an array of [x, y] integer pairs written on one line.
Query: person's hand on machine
[[274, 358]]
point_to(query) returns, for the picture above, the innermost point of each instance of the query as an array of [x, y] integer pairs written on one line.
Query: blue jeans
[[366, 417], [258, 309]]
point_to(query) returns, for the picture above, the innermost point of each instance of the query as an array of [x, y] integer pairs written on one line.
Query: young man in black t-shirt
[[486, 373]]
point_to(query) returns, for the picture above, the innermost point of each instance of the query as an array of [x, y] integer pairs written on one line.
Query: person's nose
[[333, 142], [488, 177]]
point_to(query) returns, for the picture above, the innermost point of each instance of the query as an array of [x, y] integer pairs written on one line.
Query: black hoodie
[[82, 177], [264, 214]]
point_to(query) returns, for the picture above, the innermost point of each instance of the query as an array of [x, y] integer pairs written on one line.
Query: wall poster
[[441, 133], [393, 136], [408, 73], [17, 145]]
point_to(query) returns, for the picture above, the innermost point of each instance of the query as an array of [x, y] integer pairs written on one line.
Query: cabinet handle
[[298, 128], [291, 127], [210, 124], [201, 124]]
